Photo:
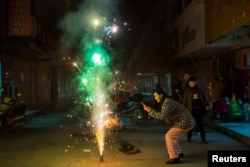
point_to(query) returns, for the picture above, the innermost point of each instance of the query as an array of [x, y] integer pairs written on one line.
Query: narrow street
[[54, 140]]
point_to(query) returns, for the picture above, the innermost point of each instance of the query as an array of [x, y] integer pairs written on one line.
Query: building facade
[[30, 63], [204, 37]]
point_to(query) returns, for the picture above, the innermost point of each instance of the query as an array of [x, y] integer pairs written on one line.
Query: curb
[[229, 132]]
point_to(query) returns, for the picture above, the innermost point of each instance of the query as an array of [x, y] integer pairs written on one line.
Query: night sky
[[135, 13]]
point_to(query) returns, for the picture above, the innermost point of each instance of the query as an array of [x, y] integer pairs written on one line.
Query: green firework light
[[96, 71]]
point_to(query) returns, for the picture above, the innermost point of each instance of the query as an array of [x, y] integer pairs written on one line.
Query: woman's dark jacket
[[188, 98]]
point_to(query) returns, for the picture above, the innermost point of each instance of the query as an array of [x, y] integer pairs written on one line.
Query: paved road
[[47, 141]]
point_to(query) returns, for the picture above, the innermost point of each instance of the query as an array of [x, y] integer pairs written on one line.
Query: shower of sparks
[[95, 79], [90, 31], [111, 29]]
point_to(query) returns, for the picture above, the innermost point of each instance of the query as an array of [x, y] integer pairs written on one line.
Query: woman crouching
[[177, 116]]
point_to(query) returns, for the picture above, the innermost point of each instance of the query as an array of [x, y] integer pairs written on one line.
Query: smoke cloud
[[78, 23]]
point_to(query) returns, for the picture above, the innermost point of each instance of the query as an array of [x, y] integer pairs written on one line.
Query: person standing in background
[[186, 76], [176, 95], [195, 99], [177, 90], [216, 89]]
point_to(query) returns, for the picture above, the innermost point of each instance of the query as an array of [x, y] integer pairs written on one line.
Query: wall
[[22, 76], [43, 78], [225, 16], [191, 28]]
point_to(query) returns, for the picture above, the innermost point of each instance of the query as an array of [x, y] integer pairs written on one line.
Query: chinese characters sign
[[19, 17]]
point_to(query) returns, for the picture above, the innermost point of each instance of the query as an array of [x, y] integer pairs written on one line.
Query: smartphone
[[142, 103]]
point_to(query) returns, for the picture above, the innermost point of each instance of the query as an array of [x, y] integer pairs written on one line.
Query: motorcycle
[[129, 110], [12, 113]]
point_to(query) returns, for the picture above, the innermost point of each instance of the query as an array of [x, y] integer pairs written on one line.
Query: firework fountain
[[93, 62], [95, 79]]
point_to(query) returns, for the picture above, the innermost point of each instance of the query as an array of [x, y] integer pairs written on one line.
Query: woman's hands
[[145, 107]]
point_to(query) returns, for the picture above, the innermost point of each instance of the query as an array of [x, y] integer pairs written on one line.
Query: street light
[[76, 65]]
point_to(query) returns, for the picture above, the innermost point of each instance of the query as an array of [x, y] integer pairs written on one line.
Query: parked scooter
[[12, 112], [129, 110]]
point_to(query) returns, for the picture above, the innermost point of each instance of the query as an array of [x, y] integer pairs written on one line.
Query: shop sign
[[19, 17]]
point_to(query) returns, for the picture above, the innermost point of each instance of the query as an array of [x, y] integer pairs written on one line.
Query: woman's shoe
[[173, 161], [181, 155], [204, 141]]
